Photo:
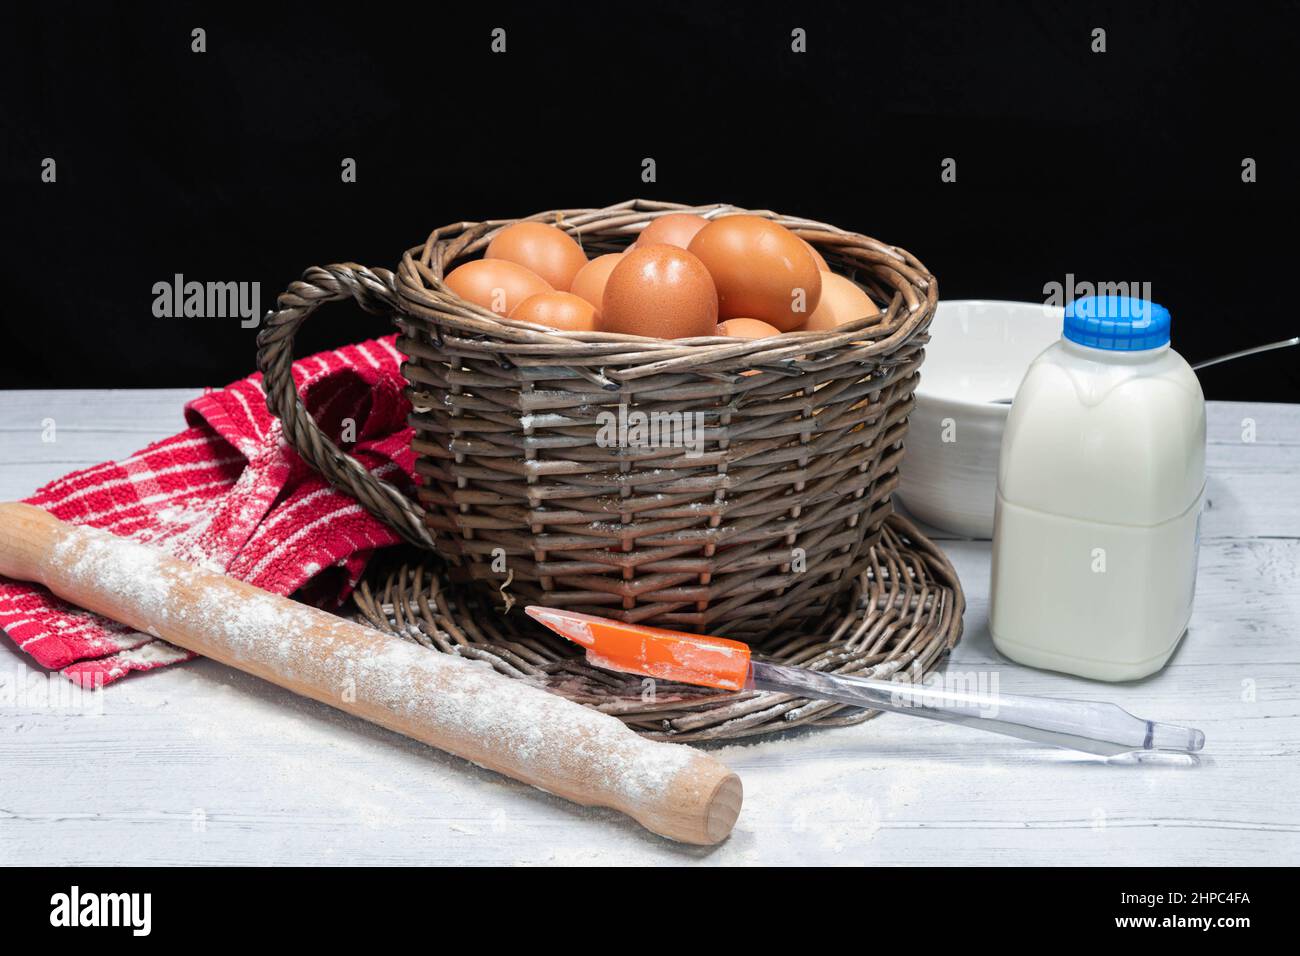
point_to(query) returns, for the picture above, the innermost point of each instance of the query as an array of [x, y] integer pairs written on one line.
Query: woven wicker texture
[[898, 619], [770, 524]]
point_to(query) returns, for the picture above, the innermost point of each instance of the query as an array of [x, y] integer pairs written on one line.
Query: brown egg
[[747, 328], [842, 301], [548, 251], [558, 310], [591, 278], [495, 284], [817, 256], [761, 270], [659, 291], [674, 229]]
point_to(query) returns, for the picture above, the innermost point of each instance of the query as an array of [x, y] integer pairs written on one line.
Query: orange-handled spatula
[[1088, 726]]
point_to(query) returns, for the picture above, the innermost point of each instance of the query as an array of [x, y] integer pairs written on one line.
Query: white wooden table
[[202, 764]]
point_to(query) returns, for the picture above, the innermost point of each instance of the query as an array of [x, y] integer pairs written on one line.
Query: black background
[[225, 165]]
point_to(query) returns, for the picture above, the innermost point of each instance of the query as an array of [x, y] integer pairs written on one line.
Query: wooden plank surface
[[203, 764]]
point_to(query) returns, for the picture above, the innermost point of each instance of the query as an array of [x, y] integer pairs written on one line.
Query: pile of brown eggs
[[685, 276]]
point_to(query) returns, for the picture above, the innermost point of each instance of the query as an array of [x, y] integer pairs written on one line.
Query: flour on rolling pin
[[542, 729]]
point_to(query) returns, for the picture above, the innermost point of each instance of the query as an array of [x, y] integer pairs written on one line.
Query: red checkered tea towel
[[230, 494]]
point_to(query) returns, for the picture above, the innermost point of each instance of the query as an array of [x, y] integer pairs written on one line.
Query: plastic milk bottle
[[1100, 485]]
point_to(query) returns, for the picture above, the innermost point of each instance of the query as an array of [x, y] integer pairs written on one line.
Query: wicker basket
[[767, 527]]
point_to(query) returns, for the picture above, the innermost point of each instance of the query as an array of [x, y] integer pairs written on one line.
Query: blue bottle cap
[[1118, 323]]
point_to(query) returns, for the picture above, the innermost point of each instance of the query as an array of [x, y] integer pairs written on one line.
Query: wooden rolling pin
[[448, 702]]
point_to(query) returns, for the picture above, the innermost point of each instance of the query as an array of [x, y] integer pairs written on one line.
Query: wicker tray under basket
[[770, 531], [901, 615]]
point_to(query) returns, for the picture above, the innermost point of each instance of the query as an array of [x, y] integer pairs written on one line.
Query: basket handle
[[375, 292]]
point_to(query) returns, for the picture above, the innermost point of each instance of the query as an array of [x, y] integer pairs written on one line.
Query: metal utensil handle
[[1088, 726], [1218, 359], [1285, 343]]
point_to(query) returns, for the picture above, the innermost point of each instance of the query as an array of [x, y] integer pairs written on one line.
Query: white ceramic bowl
[[978, 353]]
